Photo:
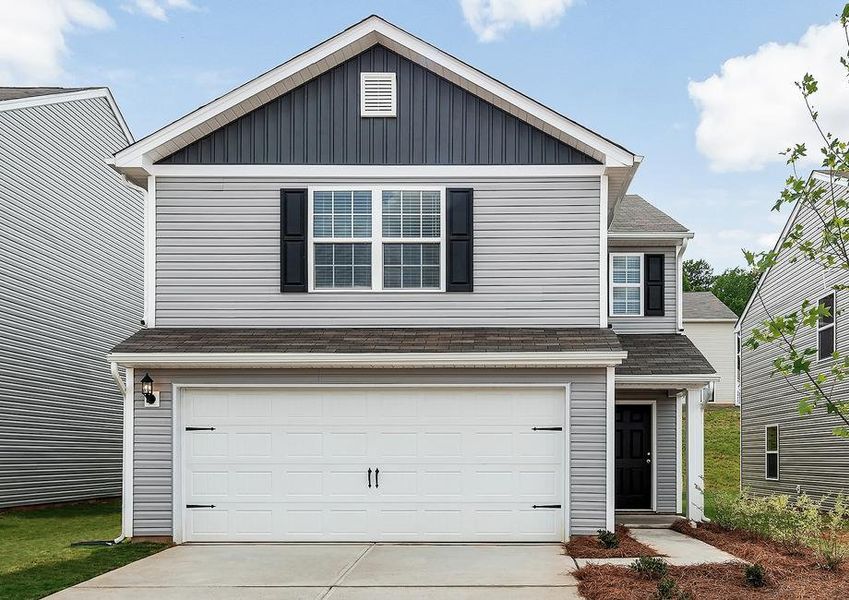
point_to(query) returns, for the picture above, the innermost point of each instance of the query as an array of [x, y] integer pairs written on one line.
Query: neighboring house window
[[771, 454], [626, 285], [825, 329], [378, 239]]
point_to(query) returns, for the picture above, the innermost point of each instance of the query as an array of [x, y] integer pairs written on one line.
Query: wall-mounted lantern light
[[147, 390]]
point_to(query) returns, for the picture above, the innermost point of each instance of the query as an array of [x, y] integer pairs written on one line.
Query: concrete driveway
[[339, 572]]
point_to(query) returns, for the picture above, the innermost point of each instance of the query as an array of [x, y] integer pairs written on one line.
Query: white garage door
[[456, 464]]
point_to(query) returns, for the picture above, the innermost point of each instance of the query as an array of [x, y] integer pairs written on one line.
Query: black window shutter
[[654, 271], [459, 240], [293, 240]]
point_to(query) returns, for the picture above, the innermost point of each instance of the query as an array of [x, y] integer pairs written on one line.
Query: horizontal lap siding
[[668, 323], [719, 345], [70, 289], [810, 455], [153, 430], [536, 259]]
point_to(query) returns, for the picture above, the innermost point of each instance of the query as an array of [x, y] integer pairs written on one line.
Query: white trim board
[[638, 382], [348, 43], [177, 429], [359, 360]]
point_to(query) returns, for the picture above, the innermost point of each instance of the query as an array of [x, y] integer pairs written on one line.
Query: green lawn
[[36, 558], [722, 452]]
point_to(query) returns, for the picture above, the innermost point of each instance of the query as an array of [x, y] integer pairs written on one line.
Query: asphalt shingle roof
[[350, 340], [16, 93], [634, 213], [704, 305], [661, 354]]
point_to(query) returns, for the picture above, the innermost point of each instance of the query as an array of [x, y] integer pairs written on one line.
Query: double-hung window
[[626, 285], [377, 239], [825, 329], [771, 464]]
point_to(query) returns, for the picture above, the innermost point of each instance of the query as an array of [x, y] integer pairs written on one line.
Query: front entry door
[[633, 457]]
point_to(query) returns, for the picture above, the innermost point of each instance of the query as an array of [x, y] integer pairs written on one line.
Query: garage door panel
[[292, 465]]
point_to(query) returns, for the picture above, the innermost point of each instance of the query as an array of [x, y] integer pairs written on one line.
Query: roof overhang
[[367, 360], [676, 382], [136, 160]]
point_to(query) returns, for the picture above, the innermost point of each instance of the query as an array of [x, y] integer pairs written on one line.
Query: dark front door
[[633, 457]]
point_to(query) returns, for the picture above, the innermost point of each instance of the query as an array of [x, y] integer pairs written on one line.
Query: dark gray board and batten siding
[[437, 123], [70, 289], [810, 455], [152, 459]]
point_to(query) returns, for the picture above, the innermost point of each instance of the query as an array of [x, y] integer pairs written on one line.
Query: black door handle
[[369, 477], [377, 478]]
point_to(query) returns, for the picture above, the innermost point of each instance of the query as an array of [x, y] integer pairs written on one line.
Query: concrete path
[[677, 548], [339, 572]]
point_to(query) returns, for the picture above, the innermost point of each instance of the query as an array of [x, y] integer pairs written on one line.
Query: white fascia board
[[69, 97], [369, 360], [348, 172], [649, 235], [728, 320], [133, 155], [665, 381]]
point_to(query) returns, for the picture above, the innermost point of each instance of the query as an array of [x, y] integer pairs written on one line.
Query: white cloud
[[32, 37], [490, 19], [158, 9], [752, 110]]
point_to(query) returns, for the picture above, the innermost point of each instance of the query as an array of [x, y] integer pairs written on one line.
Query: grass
[[36, 557], [722, 452]]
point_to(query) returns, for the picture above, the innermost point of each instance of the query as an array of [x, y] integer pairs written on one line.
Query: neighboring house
[[71, 262], [710, 326], [380, 285], [782, 451]]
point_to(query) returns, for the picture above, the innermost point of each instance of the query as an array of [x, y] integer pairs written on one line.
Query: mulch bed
[[588, 546], [792, 574]]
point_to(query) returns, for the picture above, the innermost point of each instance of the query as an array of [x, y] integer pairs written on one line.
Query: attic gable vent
[[377, 94]]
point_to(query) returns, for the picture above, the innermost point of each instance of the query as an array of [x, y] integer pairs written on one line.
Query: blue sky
[[620, 68]]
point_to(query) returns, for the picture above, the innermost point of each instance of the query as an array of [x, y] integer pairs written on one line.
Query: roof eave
[[665, 381]]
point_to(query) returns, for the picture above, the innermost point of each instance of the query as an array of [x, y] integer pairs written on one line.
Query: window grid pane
[[410, 266], [626, 269], [411, 214], [626, 301], [342, 266], [342, 214]]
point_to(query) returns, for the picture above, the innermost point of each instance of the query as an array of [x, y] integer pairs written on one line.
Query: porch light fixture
[[147, 389]]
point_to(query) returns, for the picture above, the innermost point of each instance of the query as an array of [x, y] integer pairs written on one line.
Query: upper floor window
[[377, 239], [825, 329], [771, 465], [626, 284]]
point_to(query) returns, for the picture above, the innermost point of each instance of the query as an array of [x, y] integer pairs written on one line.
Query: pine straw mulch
[[588, 546], [790, 574]]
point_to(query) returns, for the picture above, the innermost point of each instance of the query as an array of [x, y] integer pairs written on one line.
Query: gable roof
[[135, 159], [704, 306], [822, 175], [16, 98], [634, 215]]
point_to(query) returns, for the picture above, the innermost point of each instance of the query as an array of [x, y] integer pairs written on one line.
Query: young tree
[[734, 287], [825, 246], [698, 275]]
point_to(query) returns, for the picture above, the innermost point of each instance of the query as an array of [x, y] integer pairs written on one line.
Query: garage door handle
[[377, 478], [546, 429], [200, 506], [369, 477], [547, 506], [200, 428]]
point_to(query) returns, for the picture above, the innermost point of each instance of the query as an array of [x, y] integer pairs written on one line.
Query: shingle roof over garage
[[635, 214], [662, 354], [368, 340]]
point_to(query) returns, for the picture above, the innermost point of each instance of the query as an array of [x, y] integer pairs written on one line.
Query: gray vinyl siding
[[437, 123], [70, 289], [667, 441], [668, 323], [536, 259], [153, 430], [810, 456]]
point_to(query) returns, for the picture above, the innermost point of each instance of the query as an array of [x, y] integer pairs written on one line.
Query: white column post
[[610, 450], [695, 454]]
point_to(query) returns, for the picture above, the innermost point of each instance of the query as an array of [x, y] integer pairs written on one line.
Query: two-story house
[[391, 298], [783, 452]]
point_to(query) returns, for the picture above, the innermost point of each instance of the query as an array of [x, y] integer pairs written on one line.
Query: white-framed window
[[626, 284], [771, 460], [377, 238], [825, 329]]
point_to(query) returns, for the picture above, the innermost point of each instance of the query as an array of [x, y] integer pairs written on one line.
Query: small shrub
[[755, 575], [650, 566], [608, 539], [667, 589], [829, 543]]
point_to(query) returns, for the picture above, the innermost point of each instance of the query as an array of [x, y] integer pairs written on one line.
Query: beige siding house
[[710, 326]]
